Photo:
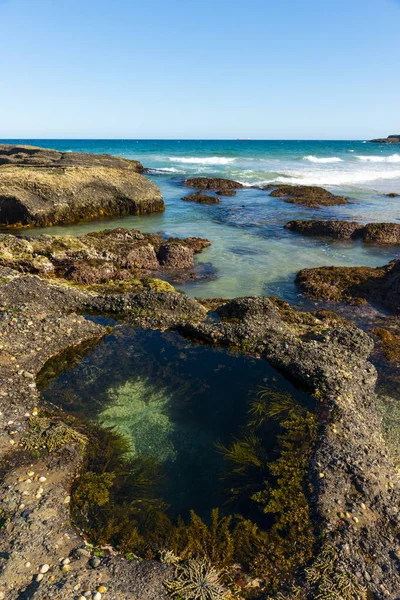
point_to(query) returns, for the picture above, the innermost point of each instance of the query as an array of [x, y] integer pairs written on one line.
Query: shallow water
[[251, 251], [174, 401]]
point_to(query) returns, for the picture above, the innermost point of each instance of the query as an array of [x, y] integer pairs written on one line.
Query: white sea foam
[[392, 158], [202, 160], [335, 177], [168, 170], [328, 159]]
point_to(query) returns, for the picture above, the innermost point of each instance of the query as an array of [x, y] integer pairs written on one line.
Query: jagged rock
[[379, 285], [307, 195], [40, 187], [100, 257]]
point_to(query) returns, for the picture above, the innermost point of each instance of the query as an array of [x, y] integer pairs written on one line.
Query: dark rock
[[338, 230], [307, 195], [100, 257], [391, 139], [213, 183], [40, 187], [201, 198], [392, 195], [379, 285], [381, 233], [372, 233]]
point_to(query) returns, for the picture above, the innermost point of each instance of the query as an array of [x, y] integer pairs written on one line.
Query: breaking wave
[[328, 159], [393, 158], [204, 160]]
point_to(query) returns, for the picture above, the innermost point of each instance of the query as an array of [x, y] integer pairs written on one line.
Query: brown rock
[[40, 187], [338, 230], [175, 256], [307, 195], [201, 198], [213, 183]]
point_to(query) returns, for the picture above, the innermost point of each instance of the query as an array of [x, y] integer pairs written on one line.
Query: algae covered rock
[[201, 198], [372, 233], [100, 257], [213, 183], [39, 187], [379, 285], [338, 230], [306, 195]]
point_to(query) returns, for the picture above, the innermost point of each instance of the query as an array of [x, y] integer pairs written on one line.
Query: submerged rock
[[101, 257], [307, 195], [40, 187], [379, 285], [201, 198], [213, 183], [372, 233]]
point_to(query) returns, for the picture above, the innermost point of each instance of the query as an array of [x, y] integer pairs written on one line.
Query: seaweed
[[197, 580]]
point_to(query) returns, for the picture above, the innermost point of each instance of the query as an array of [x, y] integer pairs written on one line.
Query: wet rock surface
[[372, 233], [380, 285], [102, 257], [40, 187], [213, 183], [201, 198], [306, 195], [356, 488]]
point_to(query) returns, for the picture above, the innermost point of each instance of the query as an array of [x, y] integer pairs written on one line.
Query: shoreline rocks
[[371, 233], [380, 285], [306, 195], [39, 319], [40, 188], [109, 256]]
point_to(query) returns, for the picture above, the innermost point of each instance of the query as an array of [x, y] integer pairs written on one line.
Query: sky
[[210, 69]]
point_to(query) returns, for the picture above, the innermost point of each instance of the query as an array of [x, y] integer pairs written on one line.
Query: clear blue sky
[[269, 69]]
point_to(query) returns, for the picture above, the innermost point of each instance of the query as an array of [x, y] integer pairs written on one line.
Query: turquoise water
[[251, 251]]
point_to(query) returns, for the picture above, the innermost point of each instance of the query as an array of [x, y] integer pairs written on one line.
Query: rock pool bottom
[[176, 403]]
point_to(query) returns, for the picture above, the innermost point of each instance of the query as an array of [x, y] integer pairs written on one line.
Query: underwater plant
[[330, 580], [197, 580], [52, 435], [139, 412]]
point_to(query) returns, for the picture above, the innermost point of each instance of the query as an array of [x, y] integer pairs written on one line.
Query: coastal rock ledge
[[40, 187]]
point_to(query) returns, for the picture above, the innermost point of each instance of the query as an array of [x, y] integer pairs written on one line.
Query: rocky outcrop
[[213, 183], [379, 285], [392, 195], [306, 195], [201, 198], [40, 187], [372, 233], [355, 487], [102, 257], [391, 139], [337, 230]]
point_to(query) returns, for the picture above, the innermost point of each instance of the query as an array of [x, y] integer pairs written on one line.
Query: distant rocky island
[[390, 139]]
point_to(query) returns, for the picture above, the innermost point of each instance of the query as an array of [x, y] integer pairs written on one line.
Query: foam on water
[[328, 159], [203, 160], [393, 158]]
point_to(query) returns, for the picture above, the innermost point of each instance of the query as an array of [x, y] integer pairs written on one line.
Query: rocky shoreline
[[40, 188], [48, 287]]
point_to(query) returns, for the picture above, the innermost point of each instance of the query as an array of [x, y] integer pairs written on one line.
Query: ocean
[[251, 252]]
